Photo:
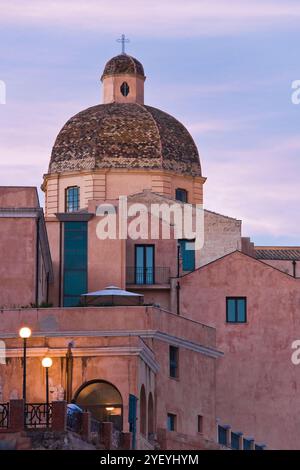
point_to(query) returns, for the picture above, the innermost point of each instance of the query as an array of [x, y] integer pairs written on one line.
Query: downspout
[[178, 275], [69, 373], [60, 264], [294, 267], [178, 297], [37, 261]]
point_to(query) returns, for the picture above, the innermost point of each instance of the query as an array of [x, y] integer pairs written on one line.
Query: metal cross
[[123, 40]]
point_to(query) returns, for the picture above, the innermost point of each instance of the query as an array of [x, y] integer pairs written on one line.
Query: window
[[125, 89], [187, 253], [74, 263], [260, 447], [222, 435], [144, 264], [173, 356], [200, 423], [236, 309], [171, 422], [181, 195], [247, 444], [235, 441], [72, 199]]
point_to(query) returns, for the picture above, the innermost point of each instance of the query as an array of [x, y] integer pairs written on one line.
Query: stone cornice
[[153, 334]]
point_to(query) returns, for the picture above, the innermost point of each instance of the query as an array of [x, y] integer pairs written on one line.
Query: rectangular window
[[171, 422], [187, 253], [235, 441], [181, 195], [222, 435], [72, 199], [74, 262], [236, 309], [200, 423], [144, 264], [247, 444], [174, 360]]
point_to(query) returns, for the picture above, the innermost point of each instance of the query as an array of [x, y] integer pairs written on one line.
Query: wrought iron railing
[[38, 415], [146, 276], [4, 415]]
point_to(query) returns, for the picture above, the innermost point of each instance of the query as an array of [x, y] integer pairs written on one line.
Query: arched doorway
[[103, 400], [143, 411], [150, 416]]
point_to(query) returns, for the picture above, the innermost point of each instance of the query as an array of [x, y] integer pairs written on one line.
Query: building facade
[[208, 350]]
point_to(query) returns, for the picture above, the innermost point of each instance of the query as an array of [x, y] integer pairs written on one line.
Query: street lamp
[[24, 333], [47, 363]]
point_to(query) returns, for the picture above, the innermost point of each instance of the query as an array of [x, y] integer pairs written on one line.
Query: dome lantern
[[123, 80]]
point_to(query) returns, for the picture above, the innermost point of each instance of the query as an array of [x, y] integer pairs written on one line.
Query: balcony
[[157, 276]]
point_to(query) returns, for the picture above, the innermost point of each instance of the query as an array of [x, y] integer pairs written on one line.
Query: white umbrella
[[112, 295]]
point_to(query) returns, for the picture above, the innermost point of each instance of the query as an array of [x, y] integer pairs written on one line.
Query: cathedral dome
[[123, 64], [124, 135]]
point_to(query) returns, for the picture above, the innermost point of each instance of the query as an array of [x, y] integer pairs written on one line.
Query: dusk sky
[[222, 67]]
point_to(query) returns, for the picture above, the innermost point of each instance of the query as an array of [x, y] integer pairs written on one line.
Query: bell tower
[[123, 78]]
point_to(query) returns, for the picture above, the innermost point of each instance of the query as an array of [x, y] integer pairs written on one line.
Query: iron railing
[[4, 415], [38, 415], [147, 276]]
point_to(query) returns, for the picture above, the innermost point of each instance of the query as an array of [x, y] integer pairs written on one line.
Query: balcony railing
[[38, 415], [147, 276]]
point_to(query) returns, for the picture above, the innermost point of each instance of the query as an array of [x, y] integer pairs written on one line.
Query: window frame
[[144, 246], [125, 89], [200, 424], [176, 367], [174, 417], [183, 191], [236, 321], [67, 200]]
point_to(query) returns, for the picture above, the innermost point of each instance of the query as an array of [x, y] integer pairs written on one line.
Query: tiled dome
[[123, 64], [119, 135]]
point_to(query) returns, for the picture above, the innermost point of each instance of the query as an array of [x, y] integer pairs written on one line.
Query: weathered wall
[[222, 235], [257, 383]]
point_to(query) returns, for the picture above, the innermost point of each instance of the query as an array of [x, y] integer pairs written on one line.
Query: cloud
[[156, 18]]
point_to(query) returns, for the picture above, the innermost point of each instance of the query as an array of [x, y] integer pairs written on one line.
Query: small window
[[200, 423], [187, 253], [181, 195], [125, 89], [174, 355], [222, 435], [247, 444], [236, 310], [72, 199], [259, 447], [171, 422], [235, 441]]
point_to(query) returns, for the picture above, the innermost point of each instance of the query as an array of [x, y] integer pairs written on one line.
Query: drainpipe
[[60, 264], [178, 260], [69, 373], [37, 261], [294, 268], [178, 297]]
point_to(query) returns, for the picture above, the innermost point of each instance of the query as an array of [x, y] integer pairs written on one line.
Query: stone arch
[[103, 400]]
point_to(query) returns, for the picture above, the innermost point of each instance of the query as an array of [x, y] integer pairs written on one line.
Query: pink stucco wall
[[257, 383]]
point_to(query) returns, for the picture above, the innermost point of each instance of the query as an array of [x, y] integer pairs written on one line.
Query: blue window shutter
[[75, 262], [187, 255]]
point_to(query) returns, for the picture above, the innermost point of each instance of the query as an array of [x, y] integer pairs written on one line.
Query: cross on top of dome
[[123, 40]]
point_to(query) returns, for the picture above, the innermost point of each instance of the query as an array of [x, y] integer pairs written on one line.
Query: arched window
[[150, 416], [125, 89], [103, 400], [181, 195], [143, 411], [72, 199]]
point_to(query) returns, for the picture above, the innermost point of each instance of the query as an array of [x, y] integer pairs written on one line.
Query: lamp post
[[47, 363], [24, 333]]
